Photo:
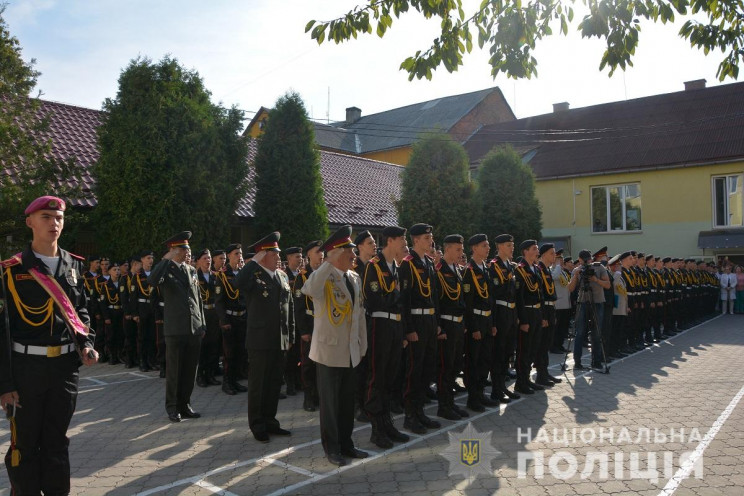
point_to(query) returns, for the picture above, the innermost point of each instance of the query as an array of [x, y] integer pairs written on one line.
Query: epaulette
[[374, 259], [10, 262], [408, 258], [77, 257], [438, 265]]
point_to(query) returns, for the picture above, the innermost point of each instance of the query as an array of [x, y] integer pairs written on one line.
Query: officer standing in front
[[183, 325], [270, 316], [39, 383]]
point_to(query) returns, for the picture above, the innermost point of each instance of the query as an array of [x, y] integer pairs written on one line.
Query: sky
[[251, 52]]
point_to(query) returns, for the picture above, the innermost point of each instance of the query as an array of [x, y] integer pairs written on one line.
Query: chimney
[[353, 114], [560, 107], [698, 84]]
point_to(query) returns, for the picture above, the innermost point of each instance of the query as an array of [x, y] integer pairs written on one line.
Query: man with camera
[[593, 280]]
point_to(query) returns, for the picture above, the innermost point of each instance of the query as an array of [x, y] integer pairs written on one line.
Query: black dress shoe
[[427, 422], [308, 405], [459, 389], [413, 424], [447, 414], [238, 387], [460, 411], [511, 394], [188, 412], [488, 402], [278, 431], [174, 417], [361, 416], [212, 381], [201, 381], [524, 389], [500, 397], [336, 459], [556, 380], [537, 387], [544, 382], [512, 374], [261, 437], [476, 406], [228, 389], [354, 453], [579, 368]]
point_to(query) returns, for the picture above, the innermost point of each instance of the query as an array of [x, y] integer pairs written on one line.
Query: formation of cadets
[[471, 309]]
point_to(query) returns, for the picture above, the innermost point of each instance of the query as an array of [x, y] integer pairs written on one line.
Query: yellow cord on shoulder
[[452, 293], [46, 310], [231, 293], [549, 286], [532, 287], [336, 313], [481, 290], [424, 289]]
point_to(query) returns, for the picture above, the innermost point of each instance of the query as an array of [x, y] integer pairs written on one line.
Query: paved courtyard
[[627, 432]]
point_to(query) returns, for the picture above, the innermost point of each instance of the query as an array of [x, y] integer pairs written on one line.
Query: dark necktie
[[349, 286]]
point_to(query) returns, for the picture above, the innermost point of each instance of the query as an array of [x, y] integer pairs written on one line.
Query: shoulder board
[[408, 258], [76, 257], [438, 266], [374, 259], [281, 271], [15, 260]]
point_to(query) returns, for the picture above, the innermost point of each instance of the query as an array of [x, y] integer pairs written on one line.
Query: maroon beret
[[45, 203]]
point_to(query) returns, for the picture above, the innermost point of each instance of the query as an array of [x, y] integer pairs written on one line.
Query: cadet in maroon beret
[[39, 373]]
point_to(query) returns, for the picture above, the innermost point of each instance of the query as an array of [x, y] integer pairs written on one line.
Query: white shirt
[[53, 262]]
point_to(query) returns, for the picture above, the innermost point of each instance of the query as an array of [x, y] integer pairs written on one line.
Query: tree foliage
[[27, 168], [512, 28], [289, 186], [436, 187], [170, 160], [505, 199]]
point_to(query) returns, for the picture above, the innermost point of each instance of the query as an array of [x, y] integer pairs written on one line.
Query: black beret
[[477, 239], [146, 253], [640, 254], [600, 252], [361, 237], [526, 244], [619, 257], [105, 259], [453, 238], [293, 250], [312, 244], [216, 253], [248, 255], [393, 232], [114, 264], [666, 259], [180, 239], [201, 253], [633, 252], [232, 247], [559, 253], [503, 238], [649, 257], [94, 258], [585, 255], [546, 247], [340, 239], [269, 242], [419, 229]]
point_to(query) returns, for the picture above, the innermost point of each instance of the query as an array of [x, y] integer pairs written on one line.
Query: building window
[[728, 201], [616, 208]]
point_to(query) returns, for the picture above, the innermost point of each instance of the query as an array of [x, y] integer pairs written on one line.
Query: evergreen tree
[[289, 187], [505, 199], [170, 161], [436, 188], [27, 169]]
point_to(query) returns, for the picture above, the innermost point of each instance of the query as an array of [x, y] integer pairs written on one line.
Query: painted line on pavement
[[685, 470]]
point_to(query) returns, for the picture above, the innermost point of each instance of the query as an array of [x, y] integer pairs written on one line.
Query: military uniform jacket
[[207, 288], [47, 328], [418, 288], [303, 304], [529, 294], [141, 295], [476, 291], [269, 305], [227, 297], [112, 299], [183, 314], [621, 295], [503, 283], [381, 287], [631, 287], [449, 287], [562, 277], [90, 279], [340, 328], [547, 287]]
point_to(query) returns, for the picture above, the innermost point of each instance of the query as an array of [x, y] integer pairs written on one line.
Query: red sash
[[58, 295]]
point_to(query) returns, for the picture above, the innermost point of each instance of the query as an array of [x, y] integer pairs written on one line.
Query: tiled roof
[[357, 191], [398, 127], [690, 127]]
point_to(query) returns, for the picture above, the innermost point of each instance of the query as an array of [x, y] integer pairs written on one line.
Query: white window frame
[[727, 213], [608, 207]]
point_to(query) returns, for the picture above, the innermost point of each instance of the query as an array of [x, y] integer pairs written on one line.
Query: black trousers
[[527, 344], [130, 341], [210, 345], [545, 339], [233, 344], [336, 386], [449, 350], [421, 360], [503, 349], [308, 370], [146, 338], [160, 345], [383, 352], [47, 389], [292, 366], [475, 349], [264, 383], [182, 359], [115, 334], [562, 323], [362, 370]]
